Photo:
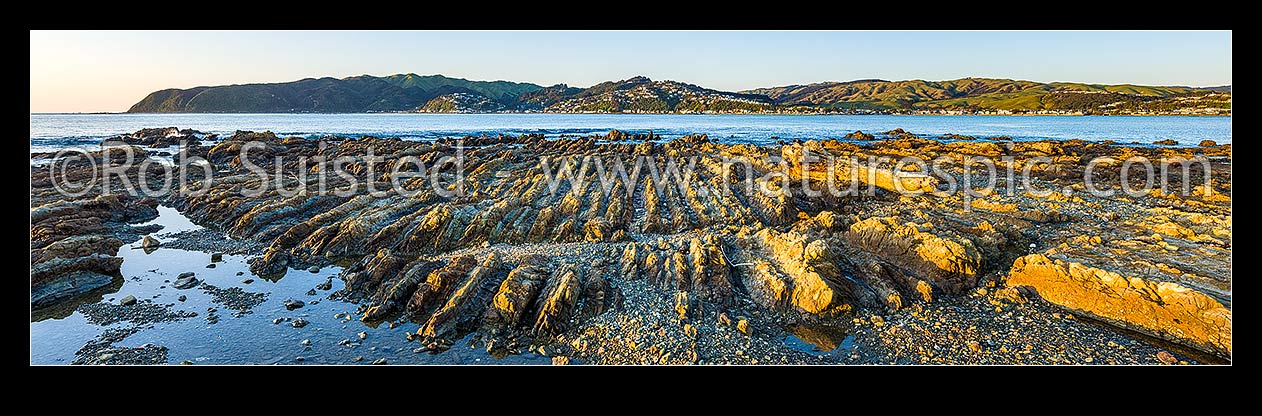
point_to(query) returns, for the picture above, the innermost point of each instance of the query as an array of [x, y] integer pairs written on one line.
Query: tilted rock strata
[[1161, 309], [745, 233], [75, 240]]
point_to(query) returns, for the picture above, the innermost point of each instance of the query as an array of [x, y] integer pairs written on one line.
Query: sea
[[50, 132]]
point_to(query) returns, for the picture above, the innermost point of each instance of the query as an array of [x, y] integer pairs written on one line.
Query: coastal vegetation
[[438, 93]]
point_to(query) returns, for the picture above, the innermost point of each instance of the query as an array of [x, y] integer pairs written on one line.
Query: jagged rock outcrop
[[744, 229], [75, 238], [949, 264], [1162, 309]]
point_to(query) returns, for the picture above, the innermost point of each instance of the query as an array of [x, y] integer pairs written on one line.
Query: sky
[[108, 71]]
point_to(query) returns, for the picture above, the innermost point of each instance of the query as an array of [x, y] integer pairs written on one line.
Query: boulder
[[1165, 310], [948, 261]]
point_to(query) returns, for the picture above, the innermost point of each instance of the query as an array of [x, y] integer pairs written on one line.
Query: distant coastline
[[679, 114], [411, 93]]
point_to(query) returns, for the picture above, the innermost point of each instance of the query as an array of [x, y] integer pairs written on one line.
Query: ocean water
[[53, 131]]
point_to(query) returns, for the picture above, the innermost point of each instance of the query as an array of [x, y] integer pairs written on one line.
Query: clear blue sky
[[109, 71]]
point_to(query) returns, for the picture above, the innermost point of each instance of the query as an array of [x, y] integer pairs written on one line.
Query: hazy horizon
[[110, 71]]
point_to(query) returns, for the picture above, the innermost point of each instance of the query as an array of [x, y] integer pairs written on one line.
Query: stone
[[127, 300], [185, 282], [948, 262], [742, 325], [216, 257], [859, 135], [362, 335], [299, 323], [292, 304], [182, 298], [380, 361], [1167, 358], [560, 360], [150, 242], [247, 281], [314, 269], [1165, 310], [1208, 143], [210, 266], [1166, 142]]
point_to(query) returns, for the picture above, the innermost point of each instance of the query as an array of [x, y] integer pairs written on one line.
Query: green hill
[[990, 94], [405, 92], [640, 94], [437, 93]]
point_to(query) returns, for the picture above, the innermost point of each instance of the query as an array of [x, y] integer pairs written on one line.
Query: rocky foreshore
[[715, 272]]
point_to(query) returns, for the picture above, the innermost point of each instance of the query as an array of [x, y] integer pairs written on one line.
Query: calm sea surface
[[52, 131]]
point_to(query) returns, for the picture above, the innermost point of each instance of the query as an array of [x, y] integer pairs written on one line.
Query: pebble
[[127, 300], [363, 335], [216, 257], [277, 321], [305, 342], [186, 274], [724, 320], [182, 298], [293, 304], [328, 284], [314, 269], [240, 273], [210, 266], [359, 358], [380, 361], [186, 362], [247, 281], [311, 292], [1167, 358], [299, 323], [560, 360], [300, 358]]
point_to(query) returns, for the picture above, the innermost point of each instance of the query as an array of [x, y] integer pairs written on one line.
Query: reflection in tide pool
[[237, 336], [819, 340]]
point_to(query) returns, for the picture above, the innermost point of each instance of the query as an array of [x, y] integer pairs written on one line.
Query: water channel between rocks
[[231, 335]]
